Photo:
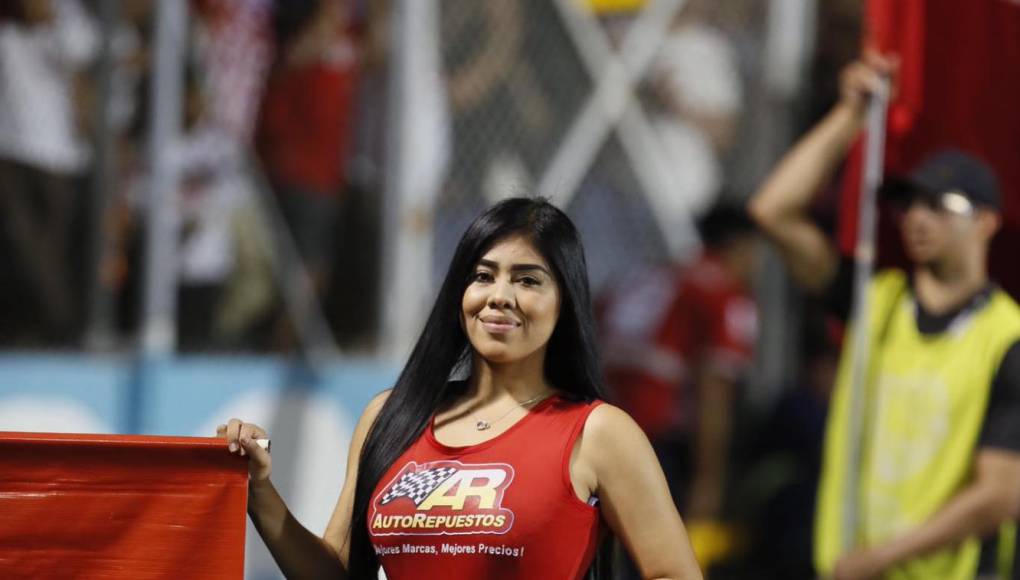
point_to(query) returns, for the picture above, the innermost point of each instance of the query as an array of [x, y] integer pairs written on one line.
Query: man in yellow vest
[[939, 455]]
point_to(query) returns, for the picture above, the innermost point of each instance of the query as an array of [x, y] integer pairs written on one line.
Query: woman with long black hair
[[517, 470]]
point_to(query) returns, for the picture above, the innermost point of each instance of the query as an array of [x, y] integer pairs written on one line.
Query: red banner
[[118, 506], [959, 86]]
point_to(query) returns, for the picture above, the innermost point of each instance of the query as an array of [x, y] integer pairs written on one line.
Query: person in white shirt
[[43, 45]]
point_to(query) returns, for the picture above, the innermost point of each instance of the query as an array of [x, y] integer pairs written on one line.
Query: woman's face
[[511, 305]]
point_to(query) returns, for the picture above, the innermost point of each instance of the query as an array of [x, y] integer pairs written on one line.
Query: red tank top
[[504, 508]]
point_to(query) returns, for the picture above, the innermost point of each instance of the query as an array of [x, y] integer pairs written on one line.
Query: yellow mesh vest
[[925, 405]]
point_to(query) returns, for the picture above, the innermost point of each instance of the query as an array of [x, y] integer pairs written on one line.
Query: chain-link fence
[[520, 77]]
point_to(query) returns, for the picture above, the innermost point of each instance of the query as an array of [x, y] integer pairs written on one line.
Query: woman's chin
[[498, 355], [496, 352]]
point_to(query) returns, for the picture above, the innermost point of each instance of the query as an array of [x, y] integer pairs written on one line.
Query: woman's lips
[[498, 326]]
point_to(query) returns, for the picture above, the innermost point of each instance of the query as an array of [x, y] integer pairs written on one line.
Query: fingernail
[[233, 447]]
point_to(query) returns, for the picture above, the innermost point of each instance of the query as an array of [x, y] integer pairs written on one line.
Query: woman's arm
[[634, 496], [298, 552], [337, 533]]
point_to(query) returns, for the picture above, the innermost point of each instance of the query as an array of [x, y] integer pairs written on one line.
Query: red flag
[[117, 506], [959, 86]]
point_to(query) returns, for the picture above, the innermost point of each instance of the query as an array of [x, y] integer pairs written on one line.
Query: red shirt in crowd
[[307, 121], [661, 326]]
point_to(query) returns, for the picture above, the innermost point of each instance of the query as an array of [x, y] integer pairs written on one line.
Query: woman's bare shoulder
[[377, 402], [609, 420], [369, 415], [613, 435]]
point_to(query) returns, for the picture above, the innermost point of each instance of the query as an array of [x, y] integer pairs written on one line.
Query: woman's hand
[[241, 439]]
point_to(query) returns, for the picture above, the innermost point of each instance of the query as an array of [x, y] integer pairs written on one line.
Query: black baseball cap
[[947, 171]]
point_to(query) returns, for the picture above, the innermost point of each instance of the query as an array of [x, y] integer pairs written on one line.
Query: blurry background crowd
[[284, 127], [267, 99], [289, 177]]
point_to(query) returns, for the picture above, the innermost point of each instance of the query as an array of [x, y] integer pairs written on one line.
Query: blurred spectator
[[225, 264], [307, 122], [44, 44], [697, 96], [220, 93], [936, 466], [203, 253], [353, 307], [677, 343], [481, 57]]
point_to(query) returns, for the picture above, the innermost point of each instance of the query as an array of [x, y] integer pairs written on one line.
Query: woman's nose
[[502, 295]]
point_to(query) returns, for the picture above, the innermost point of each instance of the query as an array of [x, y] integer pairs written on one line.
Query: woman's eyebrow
[[529, 267], [516, 267]]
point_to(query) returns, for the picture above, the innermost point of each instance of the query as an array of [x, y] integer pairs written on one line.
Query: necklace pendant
[[482, 425]]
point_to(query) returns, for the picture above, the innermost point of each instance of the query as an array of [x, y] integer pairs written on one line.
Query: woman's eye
[[482, 277], [530, 281]]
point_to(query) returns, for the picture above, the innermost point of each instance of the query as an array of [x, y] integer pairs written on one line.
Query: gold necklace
[[482, 424]]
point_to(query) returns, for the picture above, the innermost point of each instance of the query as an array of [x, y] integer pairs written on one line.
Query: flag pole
[[864, 265]]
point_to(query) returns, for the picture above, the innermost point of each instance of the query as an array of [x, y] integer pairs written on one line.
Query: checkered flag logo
[[417, 485]]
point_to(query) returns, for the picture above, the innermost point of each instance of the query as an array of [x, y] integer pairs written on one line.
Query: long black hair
[[423, 388]]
